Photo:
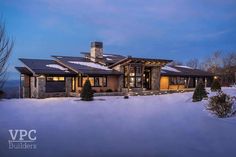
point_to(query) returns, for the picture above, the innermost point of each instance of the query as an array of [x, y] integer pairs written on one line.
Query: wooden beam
[[128, 78], [143, 68]]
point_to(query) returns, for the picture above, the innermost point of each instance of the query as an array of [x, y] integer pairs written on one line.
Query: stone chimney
[[96, 51]]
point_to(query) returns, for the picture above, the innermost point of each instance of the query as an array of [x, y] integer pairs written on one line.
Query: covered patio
[[140, 74]]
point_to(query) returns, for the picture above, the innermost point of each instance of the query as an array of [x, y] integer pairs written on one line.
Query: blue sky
[[170, 29]]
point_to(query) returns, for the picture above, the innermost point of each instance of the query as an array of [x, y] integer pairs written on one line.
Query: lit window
[[96, 81], [91, 79], [55, 78]]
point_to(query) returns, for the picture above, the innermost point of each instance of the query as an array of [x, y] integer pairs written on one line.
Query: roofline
[[186, 75], [130, 57], [59, 62], [27, 66]]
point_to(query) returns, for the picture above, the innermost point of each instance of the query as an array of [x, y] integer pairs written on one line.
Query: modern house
[[65, 75]]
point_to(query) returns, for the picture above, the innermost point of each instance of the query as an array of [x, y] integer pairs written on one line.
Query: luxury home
[[66, 75]]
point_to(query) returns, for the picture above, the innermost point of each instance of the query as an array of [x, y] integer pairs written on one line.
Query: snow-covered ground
[[142, 126]]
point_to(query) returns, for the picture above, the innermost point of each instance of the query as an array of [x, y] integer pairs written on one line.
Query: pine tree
[[87, 92], [215, 86], [199, 92]]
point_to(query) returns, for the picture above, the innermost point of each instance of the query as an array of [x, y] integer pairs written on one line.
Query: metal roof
[[184, 71], [24, 70], [83, 68], [43, 66], [109, 58]]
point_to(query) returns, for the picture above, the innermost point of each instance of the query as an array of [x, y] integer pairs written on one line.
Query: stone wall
[[121, 78], [40, 90], [68, 85], [34, 90], [155, 80], [41, 83]]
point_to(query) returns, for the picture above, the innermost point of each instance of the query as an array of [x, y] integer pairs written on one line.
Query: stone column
[[41, 87], [155, 78], [68, 85]]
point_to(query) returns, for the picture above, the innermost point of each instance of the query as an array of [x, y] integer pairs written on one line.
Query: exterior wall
[[164, 83], [26, 87], [176, 87], [112, 83], [155, 80], [34, 89], [121, 78], [40, 90], [41, 87]]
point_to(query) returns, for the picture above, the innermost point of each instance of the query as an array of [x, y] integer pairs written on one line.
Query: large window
[[135, 76], [73, 84], [177, 81], [96, 81], [55, 84]]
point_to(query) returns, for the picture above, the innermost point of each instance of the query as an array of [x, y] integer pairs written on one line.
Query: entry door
[[147, 78]]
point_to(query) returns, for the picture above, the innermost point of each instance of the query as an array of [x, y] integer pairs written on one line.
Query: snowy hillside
[[142, 126]]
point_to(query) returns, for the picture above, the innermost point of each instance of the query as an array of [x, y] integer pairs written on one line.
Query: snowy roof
[[183, 71], [184, 66], [109, 58], [85, 66], [44, 66], [168, 68], [57, 66], [91, 64]]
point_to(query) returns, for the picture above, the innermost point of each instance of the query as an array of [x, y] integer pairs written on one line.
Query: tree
[[215, 86], [214, 63], [193, 63], [176, 62], [87, 92], [221, 105], [6, 46], [229, 69], [199, 92]]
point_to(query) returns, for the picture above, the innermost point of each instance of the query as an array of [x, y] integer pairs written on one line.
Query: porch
[[140, 74]]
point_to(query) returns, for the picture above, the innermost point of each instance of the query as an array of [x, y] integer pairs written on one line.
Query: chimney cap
[[97, 44]]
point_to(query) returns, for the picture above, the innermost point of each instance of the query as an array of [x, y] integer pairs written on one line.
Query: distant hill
[[11, 89]]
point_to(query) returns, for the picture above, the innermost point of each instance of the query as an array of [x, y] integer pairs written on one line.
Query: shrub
[[221, 105], [109, 90], [215, 86], [87, 92], [199, 92], [126, 97]]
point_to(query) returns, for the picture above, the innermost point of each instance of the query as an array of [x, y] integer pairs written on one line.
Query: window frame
[[55, 81], [132, 77], [93, 85]]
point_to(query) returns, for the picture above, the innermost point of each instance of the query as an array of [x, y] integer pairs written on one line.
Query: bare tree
[[229, 68], [6, 46], [230, 60], [176, 62], [194, 63], [214, 62]]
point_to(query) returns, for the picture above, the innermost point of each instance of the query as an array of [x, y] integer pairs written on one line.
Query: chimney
[[96, 51]]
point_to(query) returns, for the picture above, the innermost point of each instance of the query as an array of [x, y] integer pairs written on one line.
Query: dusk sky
[[169, 29]]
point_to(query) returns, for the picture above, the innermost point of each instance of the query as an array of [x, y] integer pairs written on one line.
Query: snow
[[56, 66], [165, 125], [107, 55], [184, 66], [170, 69], [109, 59], [90, 64]]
